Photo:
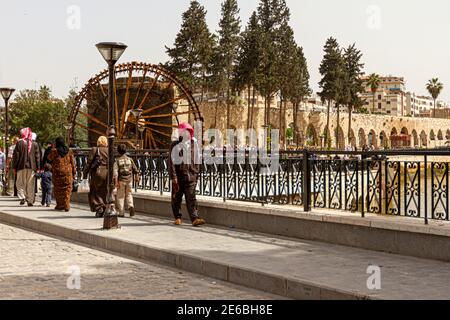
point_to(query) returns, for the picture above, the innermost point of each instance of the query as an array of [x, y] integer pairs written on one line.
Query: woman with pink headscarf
[[26, 162]]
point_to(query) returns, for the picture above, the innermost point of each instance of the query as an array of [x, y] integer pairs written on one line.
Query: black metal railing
[[398, 182]]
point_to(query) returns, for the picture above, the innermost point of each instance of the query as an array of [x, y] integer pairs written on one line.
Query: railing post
[[306, 182], [161, 174]]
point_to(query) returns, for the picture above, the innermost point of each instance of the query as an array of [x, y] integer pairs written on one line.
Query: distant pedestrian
[[96, 170], [26, 162], [64, 173], [47, 151], [184, 171], [46, 185], [10, 172], [124, 170]]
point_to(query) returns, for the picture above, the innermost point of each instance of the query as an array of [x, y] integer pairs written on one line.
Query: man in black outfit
[[184, 171]]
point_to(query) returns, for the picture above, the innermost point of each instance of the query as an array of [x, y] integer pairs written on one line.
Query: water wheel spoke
[[141, 105], [160, 132], [93, 119], [125, 103], [160, 125], [164, 104], [141, 84], [167, 115], [89, 129]]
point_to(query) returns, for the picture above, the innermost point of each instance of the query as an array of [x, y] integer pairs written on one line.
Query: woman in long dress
[[97, 171], [63, 171]]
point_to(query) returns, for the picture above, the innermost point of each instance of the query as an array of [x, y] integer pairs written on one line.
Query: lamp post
[[137, 115], [111, 52], [6, 94]]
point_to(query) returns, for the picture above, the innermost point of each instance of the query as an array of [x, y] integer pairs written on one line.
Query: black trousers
[[187, 189]]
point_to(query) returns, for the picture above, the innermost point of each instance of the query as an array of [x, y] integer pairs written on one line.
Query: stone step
[[283, 266]]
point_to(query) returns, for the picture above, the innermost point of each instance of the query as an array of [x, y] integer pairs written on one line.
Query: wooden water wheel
[[161, 97]]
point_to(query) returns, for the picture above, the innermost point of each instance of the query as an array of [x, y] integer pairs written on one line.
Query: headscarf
[[61, 147], [102, 141], [186, 127], [33, 136], [27, 136]]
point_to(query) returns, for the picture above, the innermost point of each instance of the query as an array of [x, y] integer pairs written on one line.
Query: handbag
[[91, 167], [75, 186], [83, 186], [97, 161]]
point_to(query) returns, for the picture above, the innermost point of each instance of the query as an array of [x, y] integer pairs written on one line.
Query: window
[[388, 102], [379, 97], [379, 106], [388, 112]]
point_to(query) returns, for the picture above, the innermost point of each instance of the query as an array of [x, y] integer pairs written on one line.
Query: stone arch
[[415, 138], [372, 139], [352, 138], [340, 136], [394, 132], [362, 138], [447, 135], [432, 135], [384, 141], [404, 131], [311, 136], [423, 139], [440, 135]]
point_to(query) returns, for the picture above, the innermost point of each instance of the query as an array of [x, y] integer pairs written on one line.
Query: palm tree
[[435, 88], [374, 83]]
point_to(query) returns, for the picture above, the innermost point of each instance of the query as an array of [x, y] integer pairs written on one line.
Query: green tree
[[374, 83], [300, 87], [226, 53], [33, 109], [331, 69], [190, 57], [272, 15], [435, 87], [247, 64], [288, 51], [354, 82]]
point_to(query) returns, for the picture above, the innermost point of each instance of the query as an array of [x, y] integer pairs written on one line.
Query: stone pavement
[[34, 266], [284, 266]]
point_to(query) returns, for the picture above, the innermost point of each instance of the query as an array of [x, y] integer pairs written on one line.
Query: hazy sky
[[42, 44]]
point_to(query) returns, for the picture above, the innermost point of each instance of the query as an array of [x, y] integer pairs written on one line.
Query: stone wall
[[373, 130]]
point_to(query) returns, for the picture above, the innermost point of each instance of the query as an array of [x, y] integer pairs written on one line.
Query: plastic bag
[[83, 186]]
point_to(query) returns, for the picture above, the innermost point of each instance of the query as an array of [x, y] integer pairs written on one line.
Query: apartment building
[[390, 98]]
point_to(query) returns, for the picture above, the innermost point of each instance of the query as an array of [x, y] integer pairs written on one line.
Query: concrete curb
[[287, 287], [406, 237]]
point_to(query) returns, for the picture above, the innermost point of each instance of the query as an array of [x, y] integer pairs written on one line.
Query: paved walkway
[[320, 265], [34, 266]]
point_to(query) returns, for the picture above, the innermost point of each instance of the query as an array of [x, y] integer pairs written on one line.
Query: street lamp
[[137, 115], [6, 94], [111, 52]]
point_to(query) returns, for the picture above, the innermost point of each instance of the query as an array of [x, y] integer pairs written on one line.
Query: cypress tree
[[190, 57], [354, 84], [226, 53], [331, 71], [247, 64], [300, 87]]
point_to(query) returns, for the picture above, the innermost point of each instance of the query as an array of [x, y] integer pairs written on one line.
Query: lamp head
[[111, 51]]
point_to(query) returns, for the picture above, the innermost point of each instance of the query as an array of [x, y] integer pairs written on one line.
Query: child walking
[[124, 169], [46, 185]]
